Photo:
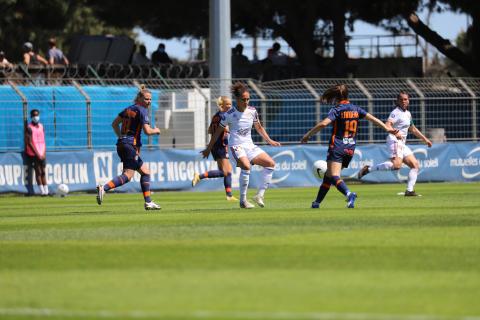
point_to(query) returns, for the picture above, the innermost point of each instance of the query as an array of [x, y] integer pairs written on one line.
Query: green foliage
[[203, 258], [37, 21]]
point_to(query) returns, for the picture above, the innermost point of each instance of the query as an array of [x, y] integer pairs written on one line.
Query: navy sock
[[341, 186], [227, 182], [323, 190], [212, 174], [116, 182], [145, 184]]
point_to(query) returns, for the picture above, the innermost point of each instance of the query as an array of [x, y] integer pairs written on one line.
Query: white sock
[[412, 179], [45, 187], [42, 189], [267, 174], [244, 179], [384, 166]]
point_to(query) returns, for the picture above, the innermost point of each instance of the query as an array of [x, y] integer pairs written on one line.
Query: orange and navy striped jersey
[[133, 119], [222, 141], [345, 116]]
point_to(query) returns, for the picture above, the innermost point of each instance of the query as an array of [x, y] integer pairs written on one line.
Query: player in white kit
[[240, 120], [400, 119]]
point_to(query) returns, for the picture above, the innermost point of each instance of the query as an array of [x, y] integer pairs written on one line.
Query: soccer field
[[201, 257]]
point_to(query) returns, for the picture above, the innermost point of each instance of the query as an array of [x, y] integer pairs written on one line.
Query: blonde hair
[[221, 100], [141, 94]]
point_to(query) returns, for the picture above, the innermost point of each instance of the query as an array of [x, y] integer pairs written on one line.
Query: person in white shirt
[[240, 120], [400, 119]]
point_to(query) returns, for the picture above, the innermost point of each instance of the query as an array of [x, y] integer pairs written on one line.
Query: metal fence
[[77, 113]]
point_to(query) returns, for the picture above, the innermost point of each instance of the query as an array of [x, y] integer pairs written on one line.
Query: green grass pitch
[[201, 257]]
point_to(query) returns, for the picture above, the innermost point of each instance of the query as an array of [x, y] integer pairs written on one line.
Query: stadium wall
[[173, 169]]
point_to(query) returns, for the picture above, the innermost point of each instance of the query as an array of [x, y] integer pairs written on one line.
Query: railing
[[77, 113], [105, 71]]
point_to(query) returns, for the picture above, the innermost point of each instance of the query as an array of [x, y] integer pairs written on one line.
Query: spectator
[[160, 56], [4, 63], [240, 63], [30, 57], [140, 57], [275, 56], [55, 55], [35, 153]]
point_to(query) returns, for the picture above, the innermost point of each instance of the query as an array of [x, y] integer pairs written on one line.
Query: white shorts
[[398, 148], [250, 151]]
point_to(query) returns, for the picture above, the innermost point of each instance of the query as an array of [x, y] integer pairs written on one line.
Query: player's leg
[[211, 173], [127, 154], [43, 177], [29, 175], [395, 149], [323, 190], [241, 158], [268, 164], [38, 177], [412, 162], [225, 166], [145, 185], [337, 162]]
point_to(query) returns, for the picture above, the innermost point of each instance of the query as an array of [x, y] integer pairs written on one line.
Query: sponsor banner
[[173, 169]]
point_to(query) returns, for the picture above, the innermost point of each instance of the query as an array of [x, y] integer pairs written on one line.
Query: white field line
[[46, 312]]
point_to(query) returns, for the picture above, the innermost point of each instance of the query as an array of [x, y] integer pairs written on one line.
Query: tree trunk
[[469, 63], [298, 33], [339, 49]]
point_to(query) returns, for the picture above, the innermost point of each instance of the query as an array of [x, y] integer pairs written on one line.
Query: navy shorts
[[341, 155], [220, 153], [129, 156], [35, 161]]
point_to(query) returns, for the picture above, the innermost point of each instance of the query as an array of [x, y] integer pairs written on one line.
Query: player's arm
[[319, 126], [419, 135], [261, 131], [215, 122], [387, 126], [116, 126], [214, 137], [149, 130]]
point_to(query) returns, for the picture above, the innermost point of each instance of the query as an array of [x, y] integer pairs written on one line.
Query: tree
[[468, 60], [24, 20], [37, 21]]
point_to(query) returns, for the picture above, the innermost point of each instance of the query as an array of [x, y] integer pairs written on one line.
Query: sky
[[447, 24]]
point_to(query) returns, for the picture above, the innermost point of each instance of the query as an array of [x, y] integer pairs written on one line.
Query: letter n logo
[[102, 166]]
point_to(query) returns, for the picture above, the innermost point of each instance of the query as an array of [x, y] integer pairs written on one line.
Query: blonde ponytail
[[141, 93]]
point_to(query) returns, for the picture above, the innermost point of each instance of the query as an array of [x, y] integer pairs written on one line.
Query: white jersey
[[240, 125], [401, 120]]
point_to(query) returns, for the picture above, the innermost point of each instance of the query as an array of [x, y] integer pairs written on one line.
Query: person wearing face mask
[[128, 127], [35, 152], [160, 56]]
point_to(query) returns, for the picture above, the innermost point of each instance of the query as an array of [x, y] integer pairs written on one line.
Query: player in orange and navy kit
[[344, 117], [128, 126], [219, 151]]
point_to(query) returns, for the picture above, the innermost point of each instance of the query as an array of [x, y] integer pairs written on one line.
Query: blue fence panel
[[11, 120], [42, 98], [70, 118]]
